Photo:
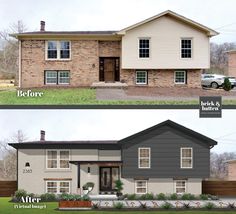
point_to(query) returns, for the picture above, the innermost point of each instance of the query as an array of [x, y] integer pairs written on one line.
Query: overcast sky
[[113, 124], [117, 14]]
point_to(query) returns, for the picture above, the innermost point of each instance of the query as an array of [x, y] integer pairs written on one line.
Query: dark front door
[[109, 69], [108, 176]]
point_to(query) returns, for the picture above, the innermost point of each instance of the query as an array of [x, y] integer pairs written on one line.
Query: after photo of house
[[168, 158]]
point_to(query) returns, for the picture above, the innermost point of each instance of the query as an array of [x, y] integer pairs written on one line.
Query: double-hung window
[[58, 50], [180, 77], [180, 186], [186, 155], [141, 77], [186, 48], [140, 186], [144, 157], [58, 187], [144, 48], [58, 159], [57, 77]]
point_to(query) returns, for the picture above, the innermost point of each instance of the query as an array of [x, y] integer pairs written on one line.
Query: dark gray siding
[[165, 144]]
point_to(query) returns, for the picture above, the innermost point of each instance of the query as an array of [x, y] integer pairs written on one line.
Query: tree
[[227, 85], [8, 166]]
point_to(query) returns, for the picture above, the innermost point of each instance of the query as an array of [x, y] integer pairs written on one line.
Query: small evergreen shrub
[[188, 196], [209, 205], [166, 205], [227, 85], [48, 197], [161, 196], [203, 197], [186, 205], [85, 198], [173, 196], [118, 205], [132, 197], [95, 205], [148, 196], [20, 193], [143, 206], [231, 206]]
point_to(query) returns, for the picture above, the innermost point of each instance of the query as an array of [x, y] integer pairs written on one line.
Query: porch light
[[89, 170], [27, 165]]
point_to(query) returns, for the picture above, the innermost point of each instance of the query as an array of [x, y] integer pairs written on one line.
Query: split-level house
[[167, 158], [166, 50]]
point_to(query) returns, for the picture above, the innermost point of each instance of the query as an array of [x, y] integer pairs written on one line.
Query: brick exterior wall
[[83, 66], [163, 78], [232, 171], [232, 64]]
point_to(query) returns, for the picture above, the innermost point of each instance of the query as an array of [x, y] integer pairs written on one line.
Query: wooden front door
[[109, 70]]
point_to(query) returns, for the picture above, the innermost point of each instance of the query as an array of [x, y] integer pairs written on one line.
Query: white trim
[[185, 185], [46, 83], [58, 159], [181, 158], [58, 51], [19, 71], [61, 83], [146, 186], [58, 185], [186, 38], [149, 157], [180, 83], [146, 76]]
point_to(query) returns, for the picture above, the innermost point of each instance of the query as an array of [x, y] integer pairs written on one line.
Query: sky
[[117, 14], [113, 124]]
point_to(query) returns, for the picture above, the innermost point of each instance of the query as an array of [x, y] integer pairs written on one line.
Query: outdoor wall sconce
[[27, 165], [89, 170]]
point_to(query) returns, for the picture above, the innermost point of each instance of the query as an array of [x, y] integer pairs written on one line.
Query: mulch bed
[[177, 92]]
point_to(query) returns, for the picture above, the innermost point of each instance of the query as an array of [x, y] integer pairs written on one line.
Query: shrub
[[148, 196], [161, 196], [20, 193], [132, 197], [213, 197], [231, 205], [166, 205], [48, 197], [186, 205], [203, 197], [118, 205], [209, 205], [85, 198], [187, 196], [88, 186], [143, 205], [173, 196], [95, 205], [119, 185], [227, 85]]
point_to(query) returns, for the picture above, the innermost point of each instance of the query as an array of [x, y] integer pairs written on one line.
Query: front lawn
[[81, 97], [7, 207]]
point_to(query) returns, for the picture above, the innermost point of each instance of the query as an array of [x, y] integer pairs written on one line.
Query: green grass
[[7, 207], [81, 97]]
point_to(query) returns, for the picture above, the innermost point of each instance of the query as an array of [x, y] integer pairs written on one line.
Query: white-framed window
[[58, 50], [144, 47], [57, 159], [141, 77], [144, 158], [186, 48], [180, 77], [58, 187], [57, 77], [141, 186], [180, 186], [186, 160]]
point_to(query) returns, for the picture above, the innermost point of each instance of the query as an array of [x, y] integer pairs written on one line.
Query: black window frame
[[144, 48], [186, 48]]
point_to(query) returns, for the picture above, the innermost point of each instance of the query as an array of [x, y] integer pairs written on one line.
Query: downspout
[[19, 84], [17, 174]]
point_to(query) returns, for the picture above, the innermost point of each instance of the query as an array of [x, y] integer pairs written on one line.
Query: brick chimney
[[42, 135], [42, 25]]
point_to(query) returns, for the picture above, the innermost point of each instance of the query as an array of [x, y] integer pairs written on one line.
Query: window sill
[[58, 60]]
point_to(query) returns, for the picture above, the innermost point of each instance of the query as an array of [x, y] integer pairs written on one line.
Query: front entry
[[108, 176], [109, 69]]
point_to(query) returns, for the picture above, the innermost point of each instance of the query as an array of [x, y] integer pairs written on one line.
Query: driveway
[[145, 93]]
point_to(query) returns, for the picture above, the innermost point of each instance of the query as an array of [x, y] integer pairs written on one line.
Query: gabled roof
[[174, 125], [210, 32]]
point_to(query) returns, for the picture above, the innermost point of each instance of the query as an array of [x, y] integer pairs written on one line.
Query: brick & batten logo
[[210, 107]]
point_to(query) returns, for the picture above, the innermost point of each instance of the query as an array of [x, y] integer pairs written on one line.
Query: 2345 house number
[[27, 170]]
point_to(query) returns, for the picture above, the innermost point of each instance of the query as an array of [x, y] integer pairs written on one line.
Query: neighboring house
[[231, 170], [167, 158], [166, 50], [232, 63]]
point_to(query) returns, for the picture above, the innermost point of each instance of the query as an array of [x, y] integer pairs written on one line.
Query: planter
[[74, 204]]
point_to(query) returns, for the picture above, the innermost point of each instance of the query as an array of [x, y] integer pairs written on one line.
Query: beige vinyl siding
[[165, 36]]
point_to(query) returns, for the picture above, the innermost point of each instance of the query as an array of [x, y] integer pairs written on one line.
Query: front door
[[109, 70], [108, 176]]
